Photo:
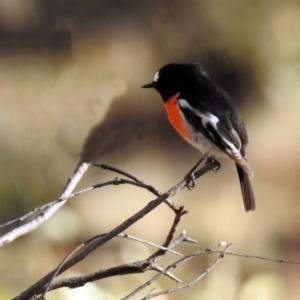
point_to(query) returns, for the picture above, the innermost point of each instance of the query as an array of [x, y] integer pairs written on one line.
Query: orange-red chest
[[175, 117]]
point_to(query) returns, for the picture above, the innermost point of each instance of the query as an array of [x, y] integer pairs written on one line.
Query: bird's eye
[[156, 77]]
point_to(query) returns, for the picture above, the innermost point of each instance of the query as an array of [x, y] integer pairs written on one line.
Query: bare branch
[[173, 266], [150, 188], [170, 242], [49, 210], [260, 257], [125, 235], [39, 286], [46, 288], [118, 171], [136, 267], [190, 283]]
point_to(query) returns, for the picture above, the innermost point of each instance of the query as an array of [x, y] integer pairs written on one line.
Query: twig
[[38, 286], [170, 242], [259, 257], [118, 171], [125, 235], [125, 269], [136, 267], [150, 188], [142, 266], [64, 195], [190, 283], [24, 217], [49, 210], [46, 288], [173, 266]]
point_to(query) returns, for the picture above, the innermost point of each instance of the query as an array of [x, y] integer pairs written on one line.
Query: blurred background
[[67, 66]]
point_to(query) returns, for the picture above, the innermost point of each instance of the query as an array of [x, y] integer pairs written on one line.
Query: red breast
[[175, 117]]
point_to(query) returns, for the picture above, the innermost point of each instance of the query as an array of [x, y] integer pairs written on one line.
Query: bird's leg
[[218, 165], [190, 175]]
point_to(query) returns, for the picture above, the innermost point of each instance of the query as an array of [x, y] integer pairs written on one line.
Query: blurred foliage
[[66, 66]]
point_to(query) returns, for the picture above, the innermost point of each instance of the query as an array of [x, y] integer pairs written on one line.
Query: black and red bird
[[206, 117]]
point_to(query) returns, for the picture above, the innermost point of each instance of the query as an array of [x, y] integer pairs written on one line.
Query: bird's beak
[[150, 85]]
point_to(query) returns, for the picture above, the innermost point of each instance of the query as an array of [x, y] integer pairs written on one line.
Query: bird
[[206, 117]]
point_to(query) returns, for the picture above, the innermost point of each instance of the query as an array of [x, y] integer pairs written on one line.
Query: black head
[[174, 78]]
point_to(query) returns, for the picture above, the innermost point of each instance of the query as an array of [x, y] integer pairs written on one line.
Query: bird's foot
[[216, 162], [190, 180]]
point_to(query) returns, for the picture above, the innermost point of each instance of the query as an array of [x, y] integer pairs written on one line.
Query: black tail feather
[[247, 192]]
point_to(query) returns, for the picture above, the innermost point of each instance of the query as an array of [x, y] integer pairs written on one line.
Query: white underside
[[199, 140], [203, 144]]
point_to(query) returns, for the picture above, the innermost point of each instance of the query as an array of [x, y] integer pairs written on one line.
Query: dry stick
[[62, 263], [151, 259], [38, 286], [169, 242], [135, 267], [190, 283], [75, 280], [170, 238], [24, 217], [43, 207], [259, 257], [66, 194], [50, 210], [106, 167], [117, 181], [79, 281], [209, 251], [173, 266], [138, 267], [150, 188], [125, 235]]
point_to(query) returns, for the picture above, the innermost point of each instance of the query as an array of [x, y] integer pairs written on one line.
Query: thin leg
[[190, 175]]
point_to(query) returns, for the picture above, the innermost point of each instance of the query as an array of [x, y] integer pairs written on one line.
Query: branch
[[260, 257], [150, 262], [142, 184], [173, 266], [48, 210], [125, 235], [38, 286], [132, 268]]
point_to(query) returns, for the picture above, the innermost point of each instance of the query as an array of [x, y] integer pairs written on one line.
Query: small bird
[[206, 117]]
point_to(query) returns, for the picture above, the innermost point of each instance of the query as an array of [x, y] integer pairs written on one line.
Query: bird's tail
[[247, 192]]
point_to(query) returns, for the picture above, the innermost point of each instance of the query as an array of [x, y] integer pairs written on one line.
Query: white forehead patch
[[156, 77]]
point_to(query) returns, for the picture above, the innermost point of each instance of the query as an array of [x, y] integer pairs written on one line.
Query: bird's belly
[[203, 144]]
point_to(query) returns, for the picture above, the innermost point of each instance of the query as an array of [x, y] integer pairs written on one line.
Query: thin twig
[[125, 235], [259, 257], [118, 171], [159, 269], [148, 187], [190, 283], [170, 242], [49, 211], [170, 267], [38, 286], [142, 266], [62, 263], [136, 267], [64, 197], [27, 215]]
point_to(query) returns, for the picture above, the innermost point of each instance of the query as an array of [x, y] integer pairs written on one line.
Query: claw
[[218, 165], [191, 181]]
